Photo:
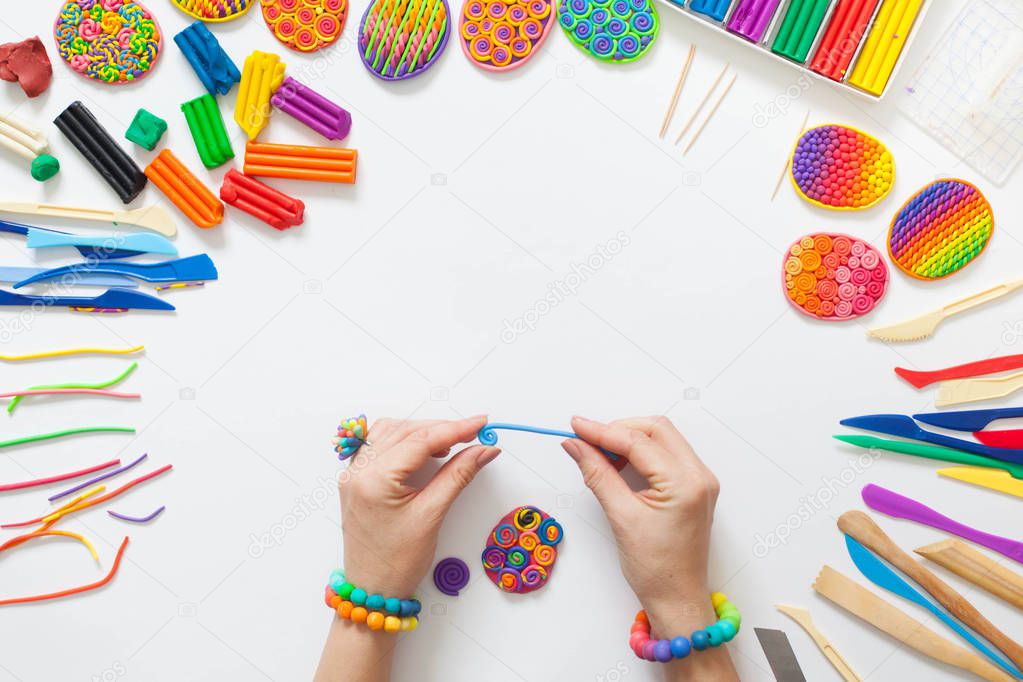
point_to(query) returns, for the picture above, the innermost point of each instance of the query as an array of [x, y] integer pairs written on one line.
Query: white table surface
[[477, 193]]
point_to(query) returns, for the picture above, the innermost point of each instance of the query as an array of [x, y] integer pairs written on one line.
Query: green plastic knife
[[931, 452]]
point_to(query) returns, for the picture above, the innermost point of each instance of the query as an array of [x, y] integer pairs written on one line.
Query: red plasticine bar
[[848, 26], [274, 208]]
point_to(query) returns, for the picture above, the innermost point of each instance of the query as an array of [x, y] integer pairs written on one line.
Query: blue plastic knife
[[192, 269], [85, 278], [875, 570], [968, 420], [901, 425], [112, 299], [103, 246]]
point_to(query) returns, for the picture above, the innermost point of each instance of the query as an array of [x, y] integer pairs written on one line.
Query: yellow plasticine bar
[[72, 351], [262, 75], [884, 45]]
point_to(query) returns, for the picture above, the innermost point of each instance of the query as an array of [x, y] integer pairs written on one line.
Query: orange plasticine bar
[[296, 162], [184, 190]]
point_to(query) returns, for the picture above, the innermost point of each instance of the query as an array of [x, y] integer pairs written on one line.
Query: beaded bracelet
[[377, 612], [664, 650]]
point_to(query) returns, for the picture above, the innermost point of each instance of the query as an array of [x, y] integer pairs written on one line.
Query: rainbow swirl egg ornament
[[834, 277], [351, 435], [500, 35], [835, 166], [399, 39], [616, 31], [521, 550], [109, 41], [940, 230], [305, 25], [214, 10]]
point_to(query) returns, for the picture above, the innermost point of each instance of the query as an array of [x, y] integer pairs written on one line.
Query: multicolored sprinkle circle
[[940, 230], [110, 41], [843, 168], [214, 10], [834, 277], [521, 550], [305, 25], [617, 31], [500, 35]]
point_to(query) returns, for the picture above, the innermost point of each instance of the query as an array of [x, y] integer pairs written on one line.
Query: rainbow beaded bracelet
[[665, 650], [376, 611]]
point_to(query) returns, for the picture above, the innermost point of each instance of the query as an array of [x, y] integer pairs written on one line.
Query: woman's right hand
[[662, 532]]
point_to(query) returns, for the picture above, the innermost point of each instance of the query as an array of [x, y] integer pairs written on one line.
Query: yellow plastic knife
[[995, 479]]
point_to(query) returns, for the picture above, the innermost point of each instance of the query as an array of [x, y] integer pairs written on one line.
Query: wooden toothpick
[[788, 161], [700, 107], [710, 115], [678, 90]]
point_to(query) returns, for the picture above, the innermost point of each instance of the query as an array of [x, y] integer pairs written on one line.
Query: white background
[[476, 192]]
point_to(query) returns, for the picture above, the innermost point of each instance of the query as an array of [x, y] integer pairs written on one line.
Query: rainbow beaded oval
[[940, 230], [110, 41], [521, 550], [305, 25], [617, 31], [843, 168], [500, 35], [399, 39], [834, 277]]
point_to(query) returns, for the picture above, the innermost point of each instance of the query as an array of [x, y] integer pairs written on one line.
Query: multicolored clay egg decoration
[[839, 167], [500, 35], [521, 550], [399, 39], [110, 41], [834, 276], [940, 229], [305, 25], [611, 30], [351, 435], [214, 10]]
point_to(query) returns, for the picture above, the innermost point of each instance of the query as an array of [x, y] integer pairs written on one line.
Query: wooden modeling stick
[[862, 528], [971, 565], [699, 108], [678, 90], [788, 159], [863, 603], [802, 616], [710, 115]]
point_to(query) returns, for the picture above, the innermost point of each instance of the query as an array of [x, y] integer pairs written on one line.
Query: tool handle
[[976, 568], [981, 297], [893, 504]]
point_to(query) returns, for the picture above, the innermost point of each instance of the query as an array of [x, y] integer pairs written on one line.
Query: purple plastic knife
[[891, 503]]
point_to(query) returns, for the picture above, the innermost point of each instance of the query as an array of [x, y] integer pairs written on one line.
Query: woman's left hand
[[390, 527]]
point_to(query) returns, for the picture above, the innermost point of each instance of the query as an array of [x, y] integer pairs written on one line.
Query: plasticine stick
[[262, 74], [274, 208], [324, 164], [883, 60], [185, 190], [874, 38], [207, 128], [92, 140], [846, 29]]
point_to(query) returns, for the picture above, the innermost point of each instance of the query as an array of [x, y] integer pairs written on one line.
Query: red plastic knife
[[970, 369], [1007, 438]]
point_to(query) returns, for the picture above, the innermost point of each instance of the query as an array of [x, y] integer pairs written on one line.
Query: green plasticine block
[[799, 28], [146, 129], [206, 124]]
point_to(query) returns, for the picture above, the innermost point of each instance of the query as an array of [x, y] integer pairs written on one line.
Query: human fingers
[[414, 449], [645, 455], [455, 476], [599, 475]]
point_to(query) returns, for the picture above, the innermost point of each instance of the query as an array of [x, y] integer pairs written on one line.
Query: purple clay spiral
[[451, 575]]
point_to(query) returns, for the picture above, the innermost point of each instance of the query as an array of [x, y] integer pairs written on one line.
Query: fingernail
[[584, 420], [488, 456], [477, 417], [571, 447]]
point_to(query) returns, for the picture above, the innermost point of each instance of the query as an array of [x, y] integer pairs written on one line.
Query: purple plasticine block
[[751, 17], [313, 109]]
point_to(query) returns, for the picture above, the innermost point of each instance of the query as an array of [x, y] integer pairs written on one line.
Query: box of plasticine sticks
[[859, 45]]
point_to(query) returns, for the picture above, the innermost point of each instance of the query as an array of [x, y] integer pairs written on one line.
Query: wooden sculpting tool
[[710, 115], [802, 616], [862, 528], [866, 605], [678, 90], [699, 108], [971, 565], [788, 160]]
